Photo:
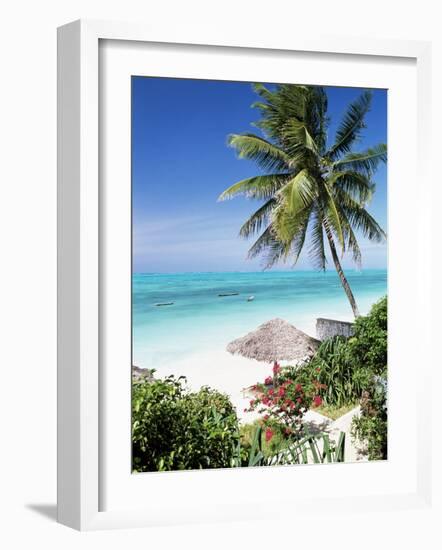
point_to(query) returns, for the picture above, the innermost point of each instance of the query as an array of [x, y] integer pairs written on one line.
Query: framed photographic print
[[234, 236]]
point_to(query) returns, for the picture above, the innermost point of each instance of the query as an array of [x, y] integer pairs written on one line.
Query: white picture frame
[[80, 293]]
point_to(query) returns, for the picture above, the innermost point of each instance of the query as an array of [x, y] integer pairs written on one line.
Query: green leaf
[[332, 215], [300, 192], [266, 154], [257, 187], [351, 125], [365, 162], [313, 449], [255, 451]]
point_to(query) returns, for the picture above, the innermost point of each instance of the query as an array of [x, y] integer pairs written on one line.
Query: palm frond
[[255, 222], [331, 214], [262, 91], [273, 249], [365, 162], [265, 154], [297, 137], [298, 192], [352, 123], [352, 244], [359, 219], [285, 103], [288, 226], [257, 187], [298, 240], [357, 185]]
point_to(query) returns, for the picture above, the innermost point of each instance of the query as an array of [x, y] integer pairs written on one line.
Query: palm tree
[[310, 191]]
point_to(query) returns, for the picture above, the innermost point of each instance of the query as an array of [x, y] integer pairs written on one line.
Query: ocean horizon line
[[263, 272]]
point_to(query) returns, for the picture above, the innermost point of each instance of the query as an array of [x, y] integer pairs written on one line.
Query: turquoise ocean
[[200, 321]]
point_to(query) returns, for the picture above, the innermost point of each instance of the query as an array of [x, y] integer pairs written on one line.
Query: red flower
[[298, 387], [276, 368], [317, 401], [268, 434], [271, 392], [266, 417], [265, 400], [281, 392], [252, 402], [268, 381]]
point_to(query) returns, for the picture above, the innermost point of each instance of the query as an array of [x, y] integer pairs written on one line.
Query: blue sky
[[181, 163]]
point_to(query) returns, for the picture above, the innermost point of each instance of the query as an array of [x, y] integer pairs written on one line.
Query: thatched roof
[[276, 340]]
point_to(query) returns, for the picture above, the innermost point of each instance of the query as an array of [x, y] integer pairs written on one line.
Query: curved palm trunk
[[338, 267]]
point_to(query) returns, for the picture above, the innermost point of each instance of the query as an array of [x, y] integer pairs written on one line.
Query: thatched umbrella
[[275, 340]]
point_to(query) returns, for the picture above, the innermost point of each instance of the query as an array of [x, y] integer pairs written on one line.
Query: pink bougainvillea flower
[[268, 434], [298, 387], [317, 401], [268, 381], [281, 392], [271, 392], [265, 400], [266, 417]]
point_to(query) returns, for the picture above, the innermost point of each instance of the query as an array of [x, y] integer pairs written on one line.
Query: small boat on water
[[164, 304], [250, 298], [228, 294]]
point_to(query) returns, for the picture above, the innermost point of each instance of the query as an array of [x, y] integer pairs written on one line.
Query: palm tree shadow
[[49, 511], [313, 428]]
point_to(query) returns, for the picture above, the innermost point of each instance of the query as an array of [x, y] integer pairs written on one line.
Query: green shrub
[[368, 346], [175, 429], [371, 426], [346, 366], [342, 377]]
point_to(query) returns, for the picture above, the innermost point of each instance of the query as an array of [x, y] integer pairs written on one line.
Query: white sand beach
[[222, 371]]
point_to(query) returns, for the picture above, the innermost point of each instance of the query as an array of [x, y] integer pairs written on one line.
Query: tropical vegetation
[[176, 429], [311, 191]]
